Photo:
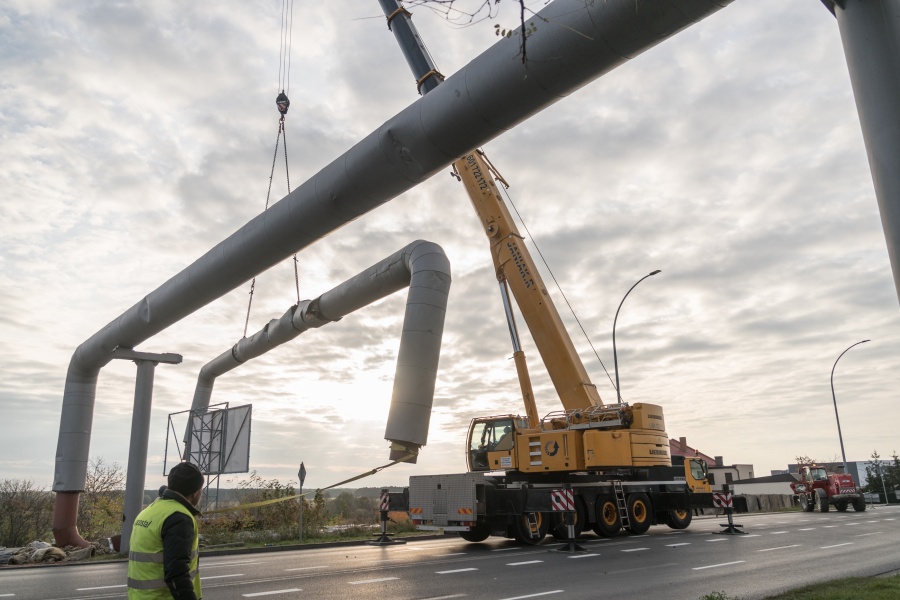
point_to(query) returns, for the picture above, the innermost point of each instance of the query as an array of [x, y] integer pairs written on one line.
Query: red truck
[[819, 490]]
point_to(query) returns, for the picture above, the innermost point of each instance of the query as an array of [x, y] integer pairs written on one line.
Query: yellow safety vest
[[146, 577]]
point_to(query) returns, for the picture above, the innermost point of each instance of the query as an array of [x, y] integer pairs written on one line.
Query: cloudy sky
[[135, 136]]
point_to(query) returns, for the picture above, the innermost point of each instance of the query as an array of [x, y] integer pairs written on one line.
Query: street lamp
[[840, 437], [615, 357]]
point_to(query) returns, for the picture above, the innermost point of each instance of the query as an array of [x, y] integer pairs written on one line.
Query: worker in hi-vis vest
[[164, 561]]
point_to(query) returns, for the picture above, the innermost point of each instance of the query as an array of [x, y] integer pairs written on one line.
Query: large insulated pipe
[[870, 33], [423, 267], [580, 42]]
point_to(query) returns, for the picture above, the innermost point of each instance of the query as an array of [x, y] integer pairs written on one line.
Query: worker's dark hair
[[185, 478]]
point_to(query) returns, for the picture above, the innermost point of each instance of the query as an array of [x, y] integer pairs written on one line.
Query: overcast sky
[[136, 135]]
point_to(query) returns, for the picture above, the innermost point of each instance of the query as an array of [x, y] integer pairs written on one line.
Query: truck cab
[[492, 443]]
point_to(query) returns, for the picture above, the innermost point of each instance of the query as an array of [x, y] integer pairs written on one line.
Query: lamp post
[[615, 357], [834, 399]]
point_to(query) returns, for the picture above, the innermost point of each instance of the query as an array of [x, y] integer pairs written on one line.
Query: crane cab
[[492, 443]]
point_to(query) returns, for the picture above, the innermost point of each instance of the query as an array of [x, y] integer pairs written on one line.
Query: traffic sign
[[301, 474]]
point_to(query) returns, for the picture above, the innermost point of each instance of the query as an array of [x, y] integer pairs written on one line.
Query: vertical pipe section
[[870, 33], [137, 453]]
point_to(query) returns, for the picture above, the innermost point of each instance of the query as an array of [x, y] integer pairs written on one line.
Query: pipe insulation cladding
[[424, 268], [579, 42]]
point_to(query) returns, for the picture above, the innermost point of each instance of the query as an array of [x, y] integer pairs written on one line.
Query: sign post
[[301, 475]]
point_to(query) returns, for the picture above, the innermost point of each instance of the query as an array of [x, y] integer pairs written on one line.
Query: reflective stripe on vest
[[146, 574]]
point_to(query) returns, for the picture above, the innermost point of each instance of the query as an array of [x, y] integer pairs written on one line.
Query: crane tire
[[677, 518], [821, 500], [608, 522], [640, 513]]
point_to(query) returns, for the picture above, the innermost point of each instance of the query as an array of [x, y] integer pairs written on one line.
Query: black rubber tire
[[479, 533], [522, 530], [608, 522], [821, 500], [679, 519], [558, 528], [640, 513], [859, 504], [805, 504], [841, 506]]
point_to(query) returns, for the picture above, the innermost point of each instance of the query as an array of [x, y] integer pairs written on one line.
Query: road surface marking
[[271, 593], [527, 562], [453, 554], [104, 587], [362, 581], [446, 597], [305, 568], [779, 548], [848, 524], [456, 571], [829, 526], [228, 564], [871, 521], [749, 535], [535, 595], [806, 528], [505, 549], [891, 519], [737, 562], [676, 545], [583, 555], [673, 532], [634, 549], [836, 545], [717, 540], [873, 533], [221, 576], [6, 595], [778, 532]]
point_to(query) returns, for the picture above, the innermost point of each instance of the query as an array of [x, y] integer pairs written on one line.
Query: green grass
[[853, 588]]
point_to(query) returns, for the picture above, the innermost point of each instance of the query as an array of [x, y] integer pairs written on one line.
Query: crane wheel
[[677, 518], [608, 523], [821, 500], [640, 513], [522, 528], [859, 504]]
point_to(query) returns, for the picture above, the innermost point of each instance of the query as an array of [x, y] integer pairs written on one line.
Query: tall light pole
[[615, 357], [840, 437]]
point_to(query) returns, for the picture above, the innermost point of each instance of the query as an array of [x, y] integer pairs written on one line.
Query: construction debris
[[41, 552]]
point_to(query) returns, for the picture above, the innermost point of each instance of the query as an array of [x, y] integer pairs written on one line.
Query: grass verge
[[852, 588]]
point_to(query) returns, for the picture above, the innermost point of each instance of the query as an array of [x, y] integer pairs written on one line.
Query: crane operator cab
[[492, 444]]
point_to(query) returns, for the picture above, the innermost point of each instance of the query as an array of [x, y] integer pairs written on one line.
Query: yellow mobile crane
[[615, 458]]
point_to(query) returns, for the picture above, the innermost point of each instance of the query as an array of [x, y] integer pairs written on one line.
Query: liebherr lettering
[[516, 255]]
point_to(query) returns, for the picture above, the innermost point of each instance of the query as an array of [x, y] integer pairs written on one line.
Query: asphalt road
[[779, 551]]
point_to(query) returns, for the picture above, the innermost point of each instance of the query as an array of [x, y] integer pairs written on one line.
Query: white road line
[[527, 562], [891, 519], [806, 529], [676, 545], [778, 532], [583, 555], [446, 597], [505, 549], [453, 554], [873, 533], [836, 545], [230, 564], [535, 595], [221, 576], [749, 535], [848, 524], [271, 593], [828, 526], [305, 568], [456, 571], [363, 581], [673, 532], [6, 595], [717, 540], [634, 549], [779, 548], [737, 562], [103, 587], [871, 521]]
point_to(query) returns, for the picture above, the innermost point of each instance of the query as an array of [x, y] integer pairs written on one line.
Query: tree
[[102, 503], [883, 475], [26, 512]]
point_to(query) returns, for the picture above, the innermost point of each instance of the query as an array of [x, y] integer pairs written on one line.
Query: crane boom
[[515, 266]]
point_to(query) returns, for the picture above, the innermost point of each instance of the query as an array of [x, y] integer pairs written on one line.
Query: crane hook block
[[282, 103]]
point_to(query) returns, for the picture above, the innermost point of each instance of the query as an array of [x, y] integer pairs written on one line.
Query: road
[[779, 551]]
